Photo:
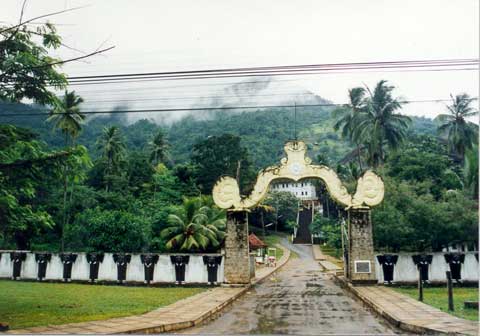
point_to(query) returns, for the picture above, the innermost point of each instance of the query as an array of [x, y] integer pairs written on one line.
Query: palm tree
[[112, 147], [461, 133], [158, 148], [194, 226], [378, 123], [67, 117], [347, 119]]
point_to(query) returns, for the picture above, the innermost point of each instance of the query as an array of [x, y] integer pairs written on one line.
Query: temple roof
[[254, 242]]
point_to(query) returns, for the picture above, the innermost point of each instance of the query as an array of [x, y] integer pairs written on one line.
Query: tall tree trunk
[[380, 149], [263, 224], [239, 165], [64, 222], [154, 181], [65, 186], [107, 180], [71, 191]]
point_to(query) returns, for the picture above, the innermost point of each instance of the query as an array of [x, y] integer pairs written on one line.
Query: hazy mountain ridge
[[263, 131]]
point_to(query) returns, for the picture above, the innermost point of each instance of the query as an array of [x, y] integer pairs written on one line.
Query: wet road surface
[[299, 299]]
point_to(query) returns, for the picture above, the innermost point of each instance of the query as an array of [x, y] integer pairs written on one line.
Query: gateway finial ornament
[[297, 166]]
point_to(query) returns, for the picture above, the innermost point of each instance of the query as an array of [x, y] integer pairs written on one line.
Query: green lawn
[[333, 254], [271, 241], [331, 251], [437, 297], [28, 304]]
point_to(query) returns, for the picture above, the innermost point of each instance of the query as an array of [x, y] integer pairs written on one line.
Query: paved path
[[329, 266], [298, 299], [324, 260], [413, 315], [317, 253]]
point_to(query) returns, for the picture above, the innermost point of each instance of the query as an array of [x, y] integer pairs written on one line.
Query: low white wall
[[406, 271], [195, 272]]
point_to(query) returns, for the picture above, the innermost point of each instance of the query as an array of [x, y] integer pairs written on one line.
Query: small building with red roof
[[255, 243]]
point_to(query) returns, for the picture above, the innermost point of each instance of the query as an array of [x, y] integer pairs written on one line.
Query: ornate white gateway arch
[[360, 266]]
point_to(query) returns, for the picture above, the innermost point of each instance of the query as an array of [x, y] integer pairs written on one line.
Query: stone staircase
[[303, 232]]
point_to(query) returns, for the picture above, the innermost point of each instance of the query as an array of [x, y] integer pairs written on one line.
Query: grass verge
[[28, 304], [437, 297], [333, 254], [271, 241]]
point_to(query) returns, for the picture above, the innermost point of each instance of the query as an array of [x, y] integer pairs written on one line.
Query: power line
[[282, 70], [150, 79], [118, 91], [289, 70], [223, 108], [134, 100], [248, 70]]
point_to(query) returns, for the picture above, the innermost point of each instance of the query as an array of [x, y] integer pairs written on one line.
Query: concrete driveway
[[299, 299]]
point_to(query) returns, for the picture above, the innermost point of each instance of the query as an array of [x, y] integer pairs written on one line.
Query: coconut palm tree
[[347, 119], [378, 124], [194, 226], [158, 152], [67, 117], [461, 133], [112, 147], [158, 148]]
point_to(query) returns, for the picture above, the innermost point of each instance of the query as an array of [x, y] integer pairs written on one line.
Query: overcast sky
[[153, 36]]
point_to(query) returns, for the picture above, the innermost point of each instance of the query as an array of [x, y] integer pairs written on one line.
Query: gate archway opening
[[359, 263]]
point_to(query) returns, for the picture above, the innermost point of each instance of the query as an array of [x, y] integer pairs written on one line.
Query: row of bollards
[[449, 288]]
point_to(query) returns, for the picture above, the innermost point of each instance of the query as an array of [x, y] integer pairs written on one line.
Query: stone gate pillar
[[361, 260], [237, 259]]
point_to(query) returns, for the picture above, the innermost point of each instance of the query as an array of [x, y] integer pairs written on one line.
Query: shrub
[[108, 231]]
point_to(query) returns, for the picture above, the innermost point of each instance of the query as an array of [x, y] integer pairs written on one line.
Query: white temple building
[[304, 190]]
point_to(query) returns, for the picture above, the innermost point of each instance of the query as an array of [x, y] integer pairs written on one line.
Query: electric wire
[[220, 108]]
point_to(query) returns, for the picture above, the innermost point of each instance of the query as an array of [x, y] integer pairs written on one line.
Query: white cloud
[[194, 34]]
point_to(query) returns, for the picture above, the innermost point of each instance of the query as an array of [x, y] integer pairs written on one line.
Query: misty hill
[[263, 131], [250, 92]]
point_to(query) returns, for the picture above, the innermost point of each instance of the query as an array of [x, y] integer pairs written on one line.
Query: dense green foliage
[[421, 169], [134, 195], [26, 63], [221, 155], [328, 229], [108, 230], [284, 207], [263, 133]]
